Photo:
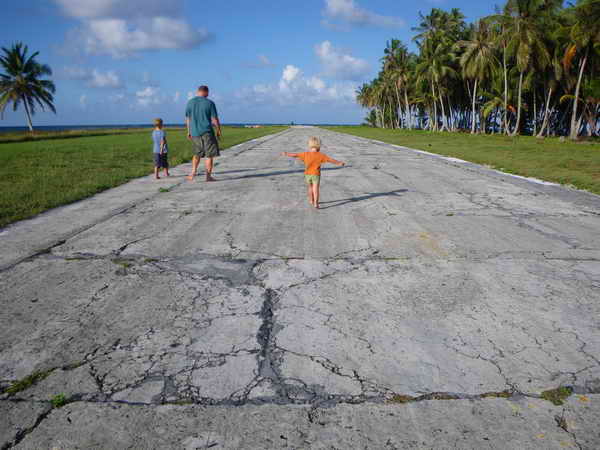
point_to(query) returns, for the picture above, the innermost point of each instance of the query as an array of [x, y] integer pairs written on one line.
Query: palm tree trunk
[[399, 105], [474, 96], [505, 90], [516, 130], [28, 115], [574, 127], [534, 114], [450, 118], [434, 108], [444, 122], [408, 112], [545, 121]]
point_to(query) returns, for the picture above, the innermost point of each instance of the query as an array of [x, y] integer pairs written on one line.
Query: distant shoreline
[[7, 129]]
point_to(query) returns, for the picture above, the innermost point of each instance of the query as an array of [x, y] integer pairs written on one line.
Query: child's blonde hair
[[158, 123], [314, 142]]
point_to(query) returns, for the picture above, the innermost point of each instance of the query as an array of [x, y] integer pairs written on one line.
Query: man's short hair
[[158, 122], [203, 88]]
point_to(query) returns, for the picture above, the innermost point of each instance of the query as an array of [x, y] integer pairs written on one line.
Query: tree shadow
[[345, 201]]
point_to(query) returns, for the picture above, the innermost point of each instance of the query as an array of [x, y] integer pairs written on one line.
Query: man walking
[[200, 117]]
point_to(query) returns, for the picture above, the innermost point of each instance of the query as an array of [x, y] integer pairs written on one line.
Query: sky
[[266, 61]]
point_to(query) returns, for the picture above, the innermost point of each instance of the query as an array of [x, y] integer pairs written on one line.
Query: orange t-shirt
[[313, 161]]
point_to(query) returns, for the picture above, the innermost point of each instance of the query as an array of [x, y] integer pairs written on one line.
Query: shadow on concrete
[[275, 173], [360, 198]]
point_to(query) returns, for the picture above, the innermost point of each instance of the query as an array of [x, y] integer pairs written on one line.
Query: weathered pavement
[[429, 304]]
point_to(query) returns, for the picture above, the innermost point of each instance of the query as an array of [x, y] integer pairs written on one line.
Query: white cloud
[[348, 11], [295, 88], [93, 9], [150, 95], [290, 73], [339, 65], [122, 29], [119, 39], [83, 101], [94, 78], [190, 95], [176, 97], [105, 80]]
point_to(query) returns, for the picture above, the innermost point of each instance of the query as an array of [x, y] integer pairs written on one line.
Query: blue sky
[[128, 61]]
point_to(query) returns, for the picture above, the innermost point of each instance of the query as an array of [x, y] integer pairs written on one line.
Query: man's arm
[[217, 125], [187, 125]]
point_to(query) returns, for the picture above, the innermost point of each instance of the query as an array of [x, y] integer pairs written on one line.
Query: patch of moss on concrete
[[440, 396], [27, 382], [399, 398], [557, 396], [502, 394], [59, 400], [125, 263]]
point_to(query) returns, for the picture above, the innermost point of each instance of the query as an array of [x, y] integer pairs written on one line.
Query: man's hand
[[283, 153], [189, 136], [219, 133]]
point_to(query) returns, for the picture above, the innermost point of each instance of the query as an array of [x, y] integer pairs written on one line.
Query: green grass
[[48, 172], [570, 163]]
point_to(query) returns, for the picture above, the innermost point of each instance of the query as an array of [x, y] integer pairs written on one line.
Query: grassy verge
[[24, 136], [570, 163], [44, 173]]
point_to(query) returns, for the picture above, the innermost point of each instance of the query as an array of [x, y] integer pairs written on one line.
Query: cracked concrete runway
[[429, 304]]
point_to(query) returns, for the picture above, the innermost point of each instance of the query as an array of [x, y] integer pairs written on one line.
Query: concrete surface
[[429, 304]]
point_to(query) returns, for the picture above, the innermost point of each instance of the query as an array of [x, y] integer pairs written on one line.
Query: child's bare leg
[[310, 193], [315, 188], [195, 163], [156, 169]]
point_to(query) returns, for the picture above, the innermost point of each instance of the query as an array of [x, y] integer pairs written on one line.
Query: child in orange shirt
[[312, 174]]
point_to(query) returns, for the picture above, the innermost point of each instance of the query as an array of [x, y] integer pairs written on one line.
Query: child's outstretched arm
[[292, 155], [335, 161]]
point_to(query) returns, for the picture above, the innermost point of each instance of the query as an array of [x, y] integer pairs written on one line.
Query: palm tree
[[585, 36], [478, 59], [22, 83], [526, 40]]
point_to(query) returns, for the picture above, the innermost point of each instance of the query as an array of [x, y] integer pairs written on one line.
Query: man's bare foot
[[209, 178], [190, 177], [316, 205]]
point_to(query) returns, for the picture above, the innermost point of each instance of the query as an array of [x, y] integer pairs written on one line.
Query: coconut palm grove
[[533, 68]]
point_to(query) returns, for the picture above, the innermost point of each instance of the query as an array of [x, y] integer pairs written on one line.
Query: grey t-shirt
[[157, 137], [200, 111]]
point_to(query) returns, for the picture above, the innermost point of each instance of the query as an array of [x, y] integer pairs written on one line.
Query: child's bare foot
[[190, 177], [157, 178], [209, 178], [316, 205]]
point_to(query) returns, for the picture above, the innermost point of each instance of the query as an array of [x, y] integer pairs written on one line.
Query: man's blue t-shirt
[[157, 137], [200, 111]]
